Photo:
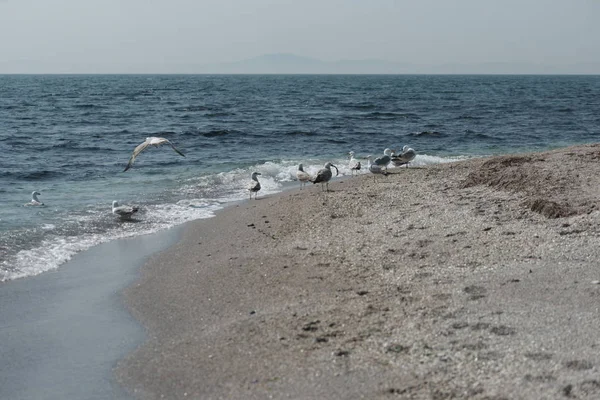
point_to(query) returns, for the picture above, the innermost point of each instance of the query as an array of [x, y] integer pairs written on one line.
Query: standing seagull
[[254, 186], [405, 157], [354, 164], [376, 169], [150, 141], [302, 176], [34, 200], [384, 160], [123, 212], [325, 174]]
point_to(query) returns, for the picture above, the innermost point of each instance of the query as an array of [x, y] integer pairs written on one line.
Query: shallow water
[[69, 137]]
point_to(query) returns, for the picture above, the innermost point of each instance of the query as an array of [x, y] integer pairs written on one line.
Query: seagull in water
[[405, 157], [254, 186], [302, 176], [324, 175], [34, 199], [123, 212], [354, 164], [150, 141]]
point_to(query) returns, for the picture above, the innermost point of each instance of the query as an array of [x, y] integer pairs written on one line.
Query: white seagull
[[150, 141], [254, 186], [324, 175], [123, 212], [408, 154], [384, 160], [375, 168], [354, 164], [302, 176], [34, 199]]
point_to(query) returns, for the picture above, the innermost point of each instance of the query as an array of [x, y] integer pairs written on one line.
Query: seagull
[[405, 157], [34, 199], [254, 186], [376, 169], [354, 164], [302, 176], [324, 175], [124, 212], [385, 159], [150, 141]]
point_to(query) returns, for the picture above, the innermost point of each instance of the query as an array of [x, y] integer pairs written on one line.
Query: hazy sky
[[161, 36]]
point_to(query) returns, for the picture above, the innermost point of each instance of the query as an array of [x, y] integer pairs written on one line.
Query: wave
[[364, 106], [470, 134], [301, 133], [428, 134], [335, 141], [36, 175], [390, 115], [195, 197], [195, 108], [58, 247], [468, 117], [88, 106], [212, 133]]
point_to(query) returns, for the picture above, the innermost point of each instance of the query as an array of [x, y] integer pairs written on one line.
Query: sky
[[147, 36]]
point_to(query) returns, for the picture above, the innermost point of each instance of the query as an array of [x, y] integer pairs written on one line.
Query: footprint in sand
[[579, 365], [540, 356], [503, 330], [475, 292]]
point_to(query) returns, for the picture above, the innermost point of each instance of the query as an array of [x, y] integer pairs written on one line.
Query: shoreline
[[64, 330], [455, 280]]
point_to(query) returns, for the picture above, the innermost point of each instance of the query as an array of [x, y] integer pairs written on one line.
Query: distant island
[[285, 63]]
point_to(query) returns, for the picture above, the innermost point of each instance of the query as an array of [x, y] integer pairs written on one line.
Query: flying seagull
[[254, 186], [324, 175], [150, 141], [123, 212], [34, 199], [302, 176]]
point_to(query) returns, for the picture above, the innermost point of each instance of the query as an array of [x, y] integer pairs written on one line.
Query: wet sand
[[477, 279], [63, 331]]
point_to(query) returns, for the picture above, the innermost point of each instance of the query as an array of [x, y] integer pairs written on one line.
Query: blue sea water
[[69, 137]]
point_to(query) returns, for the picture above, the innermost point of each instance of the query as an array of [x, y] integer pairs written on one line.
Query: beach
[[477, 279]]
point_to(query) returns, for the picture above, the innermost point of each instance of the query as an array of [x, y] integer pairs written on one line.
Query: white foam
[[202, 197], [55, 251]]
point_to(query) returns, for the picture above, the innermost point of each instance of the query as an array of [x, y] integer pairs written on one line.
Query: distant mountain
[[284, 63], [292, 64]]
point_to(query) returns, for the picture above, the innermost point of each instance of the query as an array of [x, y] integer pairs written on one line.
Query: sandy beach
[[478, 279]]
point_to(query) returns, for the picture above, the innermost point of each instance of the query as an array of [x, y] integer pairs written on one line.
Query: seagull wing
[[136, 152], [124, 211], [322, 176], [302, 176], [175, 148], [383, 161], [254, 186]]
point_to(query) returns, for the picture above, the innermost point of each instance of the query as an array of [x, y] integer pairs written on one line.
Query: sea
[[69, 137]]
